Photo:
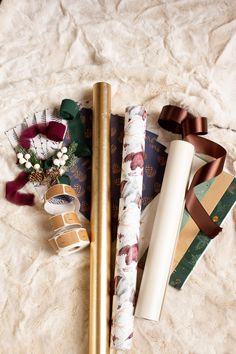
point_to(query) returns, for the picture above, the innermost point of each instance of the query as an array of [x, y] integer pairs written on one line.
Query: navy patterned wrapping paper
[[154, 166]]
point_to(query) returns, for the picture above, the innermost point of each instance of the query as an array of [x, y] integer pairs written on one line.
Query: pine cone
[[52, 175], [46, 177], [36, 176]]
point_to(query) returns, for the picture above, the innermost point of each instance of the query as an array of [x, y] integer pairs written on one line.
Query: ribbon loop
[[197, 126], [171, 118], [69, 110], [53, 131], [180, 121]]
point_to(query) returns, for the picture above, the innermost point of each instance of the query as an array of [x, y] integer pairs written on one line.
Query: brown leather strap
[[180, 121]]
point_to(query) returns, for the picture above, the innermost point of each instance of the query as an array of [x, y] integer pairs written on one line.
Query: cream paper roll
[[165, 230]]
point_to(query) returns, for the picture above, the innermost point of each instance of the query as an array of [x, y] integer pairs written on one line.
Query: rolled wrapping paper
[[128, 228], [165, 231], [69, 236], [99, 310]]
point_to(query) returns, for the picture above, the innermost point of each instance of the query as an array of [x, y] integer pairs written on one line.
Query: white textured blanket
[[154, 53]]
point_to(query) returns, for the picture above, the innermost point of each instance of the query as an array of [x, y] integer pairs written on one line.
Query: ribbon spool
[[69, 236]]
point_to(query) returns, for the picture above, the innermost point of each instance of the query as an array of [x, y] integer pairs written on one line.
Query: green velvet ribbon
[[70, 111]]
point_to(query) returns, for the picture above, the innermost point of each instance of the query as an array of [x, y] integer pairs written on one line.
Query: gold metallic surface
[[99, 310]]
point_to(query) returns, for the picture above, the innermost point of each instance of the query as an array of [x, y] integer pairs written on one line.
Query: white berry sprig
[[62, 157], [27, 159], [59, 163], [66, 158]]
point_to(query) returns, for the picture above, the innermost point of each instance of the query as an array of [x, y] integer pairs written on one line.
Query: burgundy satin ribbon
[[53, 131], [178, 120]]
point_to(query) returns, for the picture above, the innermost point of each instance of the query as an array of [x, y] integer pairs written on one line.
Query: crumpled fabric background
[[154, 53]]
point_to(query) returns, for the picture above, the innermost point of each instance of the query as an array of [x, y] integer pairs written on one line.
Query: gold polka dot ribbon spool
[[68, 234]]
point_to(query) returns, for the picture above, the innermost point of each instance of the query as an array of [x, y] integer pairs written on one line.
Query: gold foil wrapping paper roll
[[99, 311]]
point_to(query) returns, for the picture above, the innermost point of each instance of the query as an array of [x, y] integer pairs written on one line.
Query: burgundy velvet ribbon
[[53, 131], [180, 121], [15, 197]]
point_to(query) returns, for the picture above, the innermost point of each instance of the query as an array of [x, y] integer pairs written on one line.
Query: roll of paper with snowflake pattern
[[128, 227]]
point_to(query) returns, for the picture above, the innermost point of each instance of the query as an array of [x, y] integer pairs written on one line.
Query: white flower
[[20, 155], [22, 161], [56, 162], [62, 162], [27, 156], [28, 164], [65, 157], [64, 149], [37, 166], [62, 171], [59, 154]]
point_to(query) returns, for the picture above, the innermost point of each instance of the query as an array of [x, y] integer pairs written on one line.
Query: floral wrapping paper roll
[[128, 227]]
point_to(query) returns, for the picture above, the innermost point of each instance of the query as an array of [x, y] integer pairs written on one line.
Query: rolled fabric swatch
[[100, 251], [128, 228], [165, 230]]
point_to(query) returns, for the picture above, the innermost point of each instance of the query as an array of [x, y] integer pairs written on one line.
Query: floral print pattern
[[128, 227]]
